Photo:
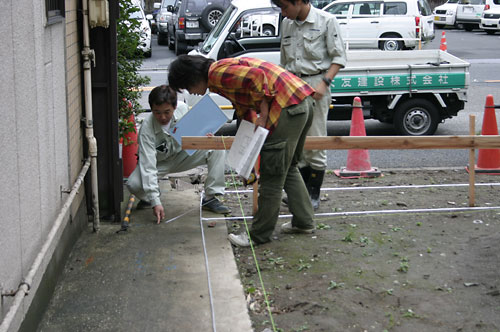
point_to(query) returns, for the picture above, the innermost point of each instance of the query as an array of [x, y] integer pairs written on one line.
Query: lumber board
[[362, 142]]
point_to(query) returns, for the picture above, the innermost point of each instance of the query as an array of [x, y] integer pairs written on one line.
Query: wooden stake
[[472, 162]]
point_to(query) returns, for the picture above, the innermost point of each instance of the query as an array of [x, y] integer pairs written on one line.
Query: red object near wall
[[129, 150]]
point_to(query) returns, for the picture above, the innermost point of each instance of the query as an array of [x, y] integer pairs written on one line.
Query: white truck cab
[[414, 90]]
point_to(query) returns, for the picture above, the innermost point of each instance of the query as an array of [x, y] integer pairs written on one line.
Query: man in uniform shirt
[[312, 49], [159, 154], [284, 106]]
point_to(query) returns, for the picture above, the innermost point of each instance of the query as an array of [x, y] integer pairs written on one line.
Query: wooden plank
[[362, 142]]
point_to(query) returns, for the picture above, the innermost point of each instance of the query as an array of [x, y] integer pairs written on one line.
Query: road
[[476, 47]]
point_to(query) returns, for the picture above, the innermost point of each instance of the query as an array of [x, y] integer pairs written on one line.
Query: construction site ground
[[421, 260]]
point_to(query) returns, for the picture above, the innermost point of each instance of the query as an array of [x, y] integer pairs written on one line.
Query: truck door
[[253, 35]]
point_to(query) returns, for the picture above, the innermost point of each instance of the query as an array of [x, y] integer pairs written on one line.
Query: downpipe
[[89, 56], [25, 285]]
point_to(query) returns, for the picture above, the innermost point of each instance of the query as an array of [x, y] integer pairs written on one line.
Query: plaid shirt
[[247, 81]]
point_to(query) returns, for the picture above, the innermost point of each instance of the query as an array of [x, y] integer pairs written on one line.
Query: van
[[387, 24], [469, 12]]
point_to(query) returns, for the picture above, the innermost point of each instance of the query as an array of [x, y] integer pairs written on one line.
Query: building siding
[[42, 150]]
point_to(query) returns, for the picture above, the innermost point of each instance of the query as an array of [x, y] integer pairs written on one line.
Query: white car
[[490, 19], [446, 14], [388, 24], [145, 32]]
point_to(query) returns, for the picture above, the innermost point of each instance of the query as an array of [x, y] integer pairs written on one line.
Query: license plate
[[192, 24], [437, 18], [468, 9]]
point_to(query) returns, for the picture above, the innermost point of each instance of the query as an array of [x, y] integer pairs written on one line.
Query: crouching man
[[159, 154]]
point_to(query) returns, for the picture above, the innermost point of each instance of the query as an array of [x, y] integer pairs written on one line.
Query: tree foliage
[[129, 60]]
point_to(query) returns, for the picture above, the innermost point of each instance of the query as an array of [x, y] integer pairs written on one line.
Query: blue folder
[[203, 118]]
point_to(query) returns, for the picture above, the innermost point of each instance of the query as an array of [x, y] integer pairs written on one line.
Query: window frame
[[54, 11]]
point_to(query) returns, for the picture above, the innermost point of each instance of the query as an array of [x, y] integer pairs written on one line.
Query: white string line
[[354, 213], [214, 328], [387, 187]]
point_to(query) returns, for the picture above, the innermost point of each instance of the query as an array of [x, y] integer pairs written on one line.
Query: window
[[395, 8], [55, 10], [364, 8], [339, 10]]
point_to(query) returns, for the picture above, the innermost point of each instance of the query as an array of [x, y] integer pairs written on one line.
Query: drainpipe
[[89, 56], [25, 285]]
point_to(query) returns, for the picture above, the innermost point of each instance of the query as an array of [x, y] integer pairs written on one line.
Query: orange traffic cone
[[443, 46], [358, 161], [488, 160], [129, 150]]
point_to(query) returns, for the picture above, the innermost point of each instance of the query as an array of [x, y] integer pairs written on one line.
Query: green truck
[[415, 90]]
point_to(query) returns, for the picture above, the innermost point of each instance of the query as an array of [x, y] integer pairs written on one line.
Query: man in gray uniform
[[312, 48], [159, 154]]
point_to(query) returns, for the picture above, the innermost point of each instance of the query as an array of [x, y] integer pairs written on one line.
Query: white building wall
[[34, 134]]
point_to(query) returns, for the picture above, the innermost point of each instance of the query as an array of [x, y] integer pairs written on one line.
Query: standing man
[[312, 48], [159, 154], [284, 106]]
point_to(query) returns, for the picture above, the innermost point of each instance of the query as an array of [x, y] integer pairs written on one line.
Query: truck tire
[[211, 15], [268, 30], [391, 45], [416, 117], [468, 27], [180, 47], [162, 39]]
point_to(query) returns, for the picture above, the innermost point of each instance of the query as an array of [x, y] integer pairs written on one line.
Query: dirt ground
[[389, 271]]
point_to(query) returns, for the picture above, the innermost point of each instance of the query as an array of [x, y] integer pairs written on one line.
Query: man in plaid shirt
[[283, 104]]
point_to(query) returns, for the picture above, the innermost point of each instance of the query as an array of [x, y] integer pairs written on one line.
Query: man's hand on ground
[[159, 213]]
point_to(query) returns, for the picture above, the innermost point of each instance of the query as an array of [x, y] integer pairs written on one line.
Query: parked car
[[446, 14], [163, 18], [387, 24], [490, 19], [144, 30], [469, 12], [152, 17], [192, 21]]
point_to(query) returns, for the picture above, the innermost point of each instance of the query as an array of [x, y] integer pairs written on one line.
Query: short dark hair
[[280, 2], [162, 94], [187, 70]]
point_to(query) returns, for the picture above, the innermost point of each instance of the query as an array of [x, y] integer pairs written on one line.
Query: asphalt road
[[476, 47]]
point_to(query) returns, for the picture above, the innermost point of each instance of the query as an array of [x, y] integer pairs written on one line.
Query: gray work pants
[[317, 158], [214, 159]]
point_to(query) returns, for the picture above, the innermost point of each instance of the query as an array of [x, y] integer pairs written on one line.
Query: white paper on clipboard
[[246, 148], [203, 118]]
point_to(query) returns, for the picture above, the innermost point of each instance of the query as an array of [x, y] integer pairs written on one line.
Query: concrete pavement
[[151, 277]]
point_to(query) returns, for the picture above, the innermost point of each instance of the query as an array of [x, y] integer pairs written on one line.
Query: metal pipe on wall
[[88, 57], [25, 285]]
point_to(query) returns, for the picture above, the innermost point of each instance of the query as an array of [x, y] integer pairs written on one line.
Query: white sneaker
[[240, 240], [287, 228]]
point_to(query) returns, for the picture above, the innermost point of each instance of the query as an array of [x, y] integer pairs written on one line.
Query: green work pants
[[278, 170]]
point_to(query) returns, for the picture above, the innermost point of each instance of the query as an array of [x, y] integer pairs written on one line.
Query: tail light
[[182, 23], [417, 24], [486, 7]]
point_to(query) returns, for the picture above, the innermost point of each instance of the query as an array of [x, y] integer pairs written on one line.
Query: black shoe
[[215, 206], [143, 205]]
